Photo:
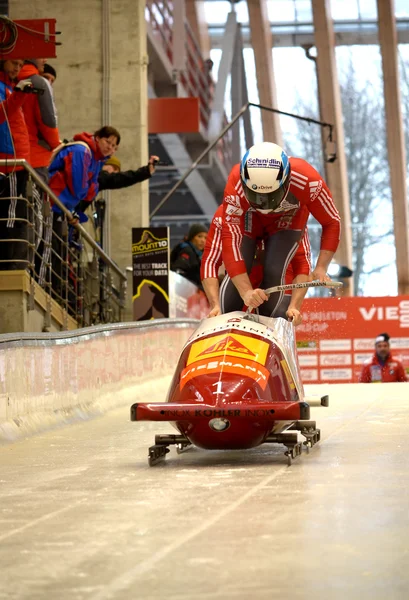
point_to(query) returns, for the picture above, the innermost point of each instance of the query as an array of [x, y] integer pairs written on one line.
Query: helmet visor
[[267, 200]]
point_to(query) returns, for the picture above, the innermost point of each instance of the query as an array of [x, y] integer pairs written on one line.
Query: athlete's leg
[[230, 298], [279, 251]]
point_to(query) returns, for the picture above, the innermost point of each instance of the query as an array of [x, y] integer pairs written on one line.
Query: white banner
[[308, 360], [335, 374], [327, 360], [309, 375], [329, 345], [359, 359]]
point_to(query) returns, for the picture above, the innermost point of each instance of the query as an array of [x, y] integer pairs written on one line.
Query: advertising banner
[[150, 264], [338, 335]]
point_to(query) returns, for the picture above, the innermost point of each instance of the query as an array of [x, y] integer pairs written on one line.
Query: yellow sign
[[288, 374], [149, 243], [232, 344]]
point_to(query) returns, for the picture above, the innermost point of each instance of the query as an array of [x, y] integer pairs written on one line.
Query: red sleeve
[[301, 263], [314, 193], [235, 207], [365, 376], [212, 253], [401, 373], [11, 105]]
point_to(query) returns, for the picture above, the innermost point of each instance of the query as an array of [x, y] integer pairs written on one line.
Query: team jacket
[[185, 259], [15, 131], [308, 194], [74, 171], [212, 255], [374, 372], [41, 117]]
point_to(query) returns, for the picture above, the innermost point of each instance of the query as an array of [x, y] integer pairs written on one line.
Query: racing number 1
[[218, 385]]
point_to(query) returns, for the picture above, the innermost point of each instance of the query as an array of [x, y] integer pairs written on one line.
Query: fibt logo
[[388, 313]]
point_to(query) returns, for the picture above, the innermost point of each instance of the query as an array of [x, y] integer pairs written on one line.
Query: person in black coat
[[186, 257], [112, 178]]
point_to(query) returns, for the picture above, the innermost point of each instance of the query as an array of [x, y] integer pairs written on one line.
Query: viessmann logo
[[388, 313]]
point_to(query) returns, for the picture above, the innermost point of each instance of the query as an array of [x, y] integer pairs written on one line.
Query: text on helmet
[[264, 163]]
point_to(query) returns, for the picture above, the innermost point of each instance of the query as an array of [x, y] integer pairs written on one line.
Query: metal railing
[[59, 254], [195, 75], [223, 136]]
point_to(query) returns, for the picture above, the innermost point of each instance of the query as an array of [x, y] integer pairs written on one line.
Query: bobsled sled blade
[[317, 401]]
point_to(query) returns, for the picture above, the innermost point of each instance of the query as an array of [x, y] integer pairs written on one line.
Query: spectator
[[74, 171], [14, 143], [186, 257], [75, 167], [382, 367], [41, 118], [112, 178], [49, 73]]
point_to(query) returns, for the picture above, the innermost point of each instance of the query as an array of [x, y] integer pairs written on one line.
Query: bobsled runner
[[237, 385]]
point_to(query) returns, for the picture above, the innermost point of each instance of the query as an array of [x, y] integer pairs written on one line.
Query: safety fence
[[39, 235]]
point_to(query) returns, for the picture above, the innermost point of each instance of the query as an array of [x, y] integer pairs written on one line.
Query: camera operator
[[14, 143]]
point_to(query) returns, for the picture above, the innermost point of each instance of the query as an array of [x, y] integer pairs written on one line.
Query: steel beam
[[395, 139], [331, 112], [262, 42]]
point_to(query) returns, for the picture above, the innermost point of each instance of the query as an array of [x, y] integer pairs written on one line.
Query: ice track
[[83, 517]]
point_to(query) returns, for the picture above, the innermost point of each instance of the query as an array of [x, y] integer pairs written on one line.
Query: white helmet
[[265, 175]]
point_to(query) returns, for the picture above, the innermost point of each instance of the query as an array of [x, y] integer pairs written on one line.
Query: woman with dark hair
[[186, 257], [75, 166], [74, 171]]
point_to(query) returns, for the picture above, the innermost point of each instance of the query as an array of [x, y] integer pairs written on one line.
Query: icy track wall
[[52, 379]]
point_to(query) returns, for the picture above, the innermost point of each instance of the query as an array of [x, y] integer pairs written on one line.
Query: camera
[[330, 152]]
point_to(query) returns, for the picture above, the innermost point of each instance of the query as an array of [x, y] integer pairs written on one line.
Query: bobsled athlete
[[274, 193], [299, 270], [382, 367]]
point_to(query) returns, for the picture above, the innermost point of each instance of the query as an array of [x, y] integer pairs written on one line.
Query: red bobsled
[[237, 385]]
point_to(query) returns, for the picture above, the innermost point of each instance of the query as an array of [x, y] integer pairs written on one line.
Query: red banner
[[338, 334]]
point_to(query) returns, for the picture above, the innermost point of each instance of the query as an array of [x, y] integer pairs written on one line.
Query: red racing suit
[[374, 372], [212, 255], [308, 194]]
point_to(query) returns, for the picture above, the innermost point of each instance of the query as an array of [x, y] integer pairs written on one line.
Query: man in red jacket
[[14, 144], [277, 192], [41, 117], [382, 368]]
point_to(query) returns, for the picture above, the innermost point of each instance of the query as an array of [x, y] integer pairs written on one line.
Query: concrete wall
[[21, 312], [52, 379]]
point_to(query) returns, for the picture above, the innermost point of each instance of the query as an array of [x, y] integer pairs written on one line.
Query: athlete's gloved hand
[[253, 298], [215, 312], [319, 274], [295, 316]]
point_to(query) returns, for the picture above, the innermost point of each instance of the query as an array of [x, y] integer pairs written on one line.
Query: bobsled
[[237, 385]]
